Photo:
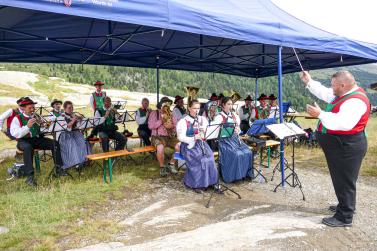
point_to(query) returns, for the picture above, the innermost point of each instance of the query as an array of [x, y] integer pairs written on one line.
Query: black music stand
[[288, 131], [214, 132], [256, 129]]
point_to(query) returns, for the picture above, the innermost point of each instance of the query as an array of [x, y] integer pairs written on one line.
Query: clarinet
[[201, 141]]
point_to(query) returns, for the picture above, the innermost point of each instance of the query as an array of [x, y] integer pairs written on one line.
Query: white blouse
[[182, 128]]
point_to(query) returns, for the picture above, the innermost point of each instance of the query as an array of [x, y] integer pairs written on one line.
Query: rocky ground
[[170, 217]]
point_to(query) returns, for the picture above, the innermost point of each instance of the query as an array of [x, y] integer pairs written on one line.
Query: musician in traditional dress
[[142, 115], [201, 169], [235, 157], [73, 146], [163, 124], [97, 97], [179, 110], [247, 113], [8, 115], [107, 128], [263, 110], [274, 108], [56, 109], [26, 130]]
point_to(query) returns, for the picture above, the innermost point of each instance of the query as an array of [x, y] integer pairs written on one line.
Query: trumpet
[[78, 115], [41, 121]]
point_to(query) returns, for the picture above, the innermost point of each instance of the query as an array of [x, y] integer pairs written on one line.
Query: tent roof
[[237, 37]]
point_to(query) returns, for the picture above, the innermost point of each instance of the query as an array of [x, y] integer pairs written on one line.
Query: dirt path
[[170, 217]]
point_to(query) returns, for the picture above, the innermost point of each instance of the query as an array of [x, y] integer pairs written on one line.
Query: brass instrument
[[41, 121], [78, 115], [192, 92], [235, 97], [167, 117]]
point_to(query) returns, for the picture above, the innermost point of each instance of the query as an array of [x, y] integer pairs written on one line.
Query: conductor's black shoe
[[31, 181], [334, 222], [332, 209]]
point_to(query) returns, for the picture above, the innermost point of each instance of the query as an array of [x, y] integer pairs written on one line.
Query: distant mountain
[[174, 82]]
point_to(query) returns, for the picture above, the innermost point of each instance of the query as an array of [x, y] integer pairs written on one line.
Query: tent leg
[[280, 95], [256, 90], [158, 78]]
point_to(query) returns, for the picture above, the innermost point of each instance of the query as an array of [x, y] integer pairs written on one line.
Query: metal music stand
[[214, 132], [258, 128], [288, 131]]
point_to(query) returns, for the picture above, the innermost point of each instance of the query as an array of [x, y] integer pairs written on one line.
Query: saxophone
[[166, 119]]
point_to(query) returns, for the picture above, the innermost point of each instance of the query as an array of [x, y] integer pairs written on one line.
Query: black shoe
[[31, 181], [334, 222], [332, 209]]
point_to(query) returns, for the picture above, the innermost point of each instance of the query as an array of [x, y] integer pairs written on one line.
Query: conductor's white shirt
[[350, 111]]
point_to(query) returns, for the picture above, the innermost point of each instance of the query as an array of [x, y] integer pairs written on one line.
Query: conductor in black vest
[[341, 135]]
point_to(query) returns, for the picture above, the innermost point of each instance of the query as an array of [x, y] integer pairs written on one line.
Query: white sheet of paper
[[285, 130]]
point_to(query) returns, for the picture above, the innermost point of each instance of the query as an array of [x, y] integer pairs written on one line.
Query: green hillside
[[173, 82]]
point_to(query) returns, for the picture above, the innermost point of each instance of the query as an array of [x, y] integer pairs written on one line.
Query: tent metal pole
[[280, 94], [256, 89], [158, 77]]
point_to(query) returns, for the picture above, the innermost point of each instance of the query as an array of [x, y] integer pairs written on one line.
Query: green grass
[[39, 218], [12, 91], [50, 88]]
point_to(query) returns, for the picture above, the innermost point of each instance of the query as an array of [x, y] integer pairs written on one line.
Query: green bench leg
[[268, 156], [37, 162], [110, 165]]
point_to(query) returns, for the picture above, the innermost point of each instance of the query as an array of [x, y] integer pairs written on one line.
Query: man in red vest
[[8, 115], [341, 135]]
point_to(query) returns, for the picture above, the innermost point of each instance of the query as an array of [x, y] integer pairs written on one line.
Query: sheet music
[[212, 131], [285, 130]]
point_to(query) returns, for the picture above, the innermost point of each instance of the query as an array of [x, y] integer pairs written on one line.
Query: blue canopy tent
[[249, 38]]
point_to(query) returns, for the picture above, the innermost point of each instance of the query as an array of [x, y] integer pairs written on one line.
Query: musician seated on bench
[[26, 130], [235, 156], [162, 124], [141, 117], [107, 128], [201, 169]]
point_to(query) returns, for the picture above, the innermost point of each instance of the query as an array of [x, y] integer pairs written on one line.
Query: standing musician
[[235, 156], [247, 113], [9, 115], [179, 110], [107, 128], [56, 109], [26, 130], [162, 124], [74, 148], [263, 110], [341, 135], [97, 97], [201, 168], [142, 115], [274, 108]]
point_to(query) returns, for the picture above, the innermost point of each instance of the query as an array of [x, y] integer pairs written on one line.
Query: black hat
[[27, 101], [20, 100], [272, 97], [262, 97], [213, 97], [248, 98], [54, 101], [164, 101]]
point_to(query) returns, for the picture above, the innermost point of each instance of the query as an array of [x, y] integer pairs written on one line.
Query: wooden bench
[[36, 158], [107, 158]]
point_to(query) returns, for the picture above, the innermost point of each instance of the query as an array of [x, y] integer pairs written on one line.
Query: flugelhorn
[[41, 121], [192, 92], [235, 97]]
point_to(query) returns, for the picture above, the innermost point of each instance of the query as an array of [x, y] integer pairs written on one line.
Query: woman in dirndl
[[235, 157], [73, 146], [201, 169]]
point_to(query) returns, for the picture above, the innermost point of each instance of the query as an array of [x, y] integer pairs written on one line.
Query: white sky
[[352, 19]]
